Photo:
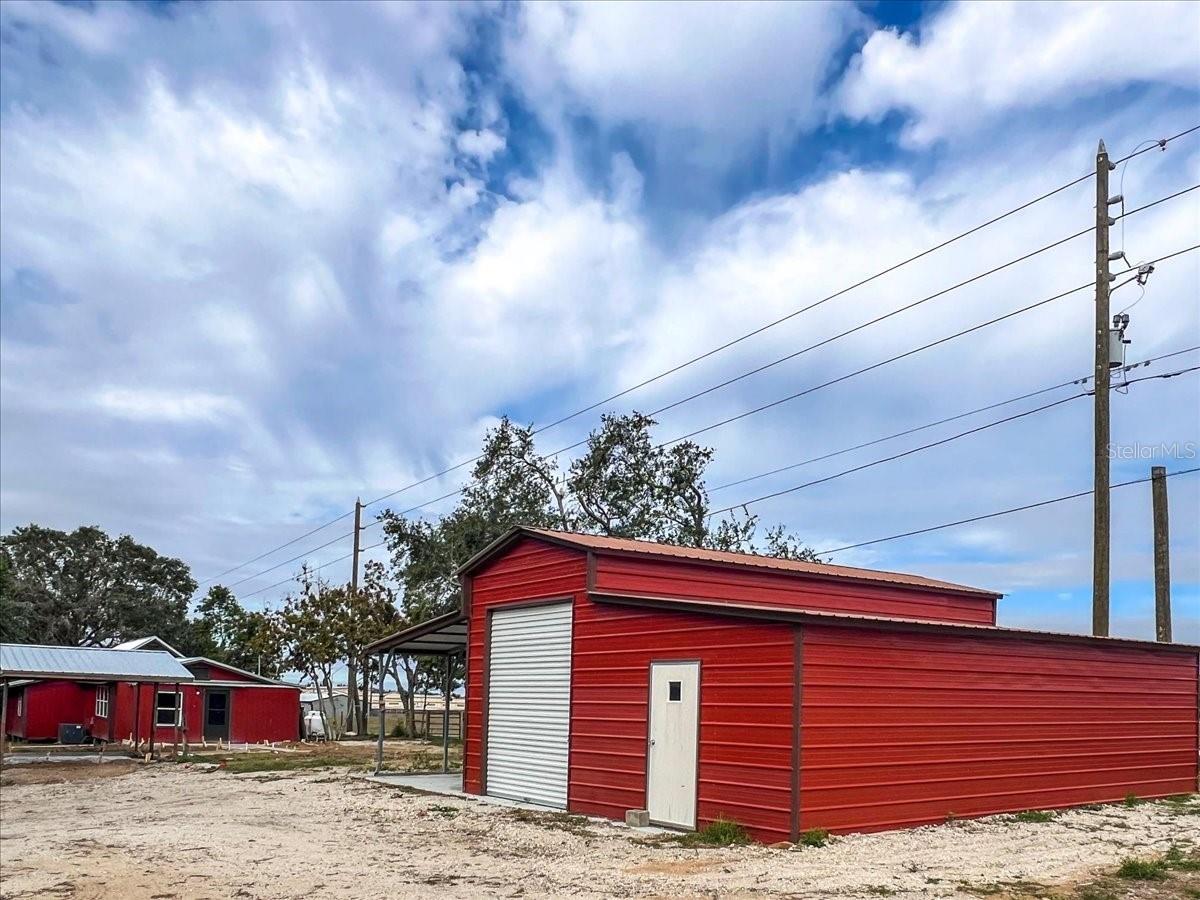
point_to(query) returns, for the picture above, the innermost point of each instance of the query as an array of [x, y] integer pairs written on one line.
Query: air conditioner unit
[[72, 734]]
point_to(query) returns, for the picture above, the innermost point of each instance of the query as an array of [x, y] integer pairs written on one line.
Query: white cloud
[[729, 71], [482, 144], [976, 61], [150, 404]]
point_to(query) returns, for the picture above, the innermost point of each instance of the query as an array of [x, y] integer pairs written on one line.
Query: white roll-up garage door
[[529, 703]]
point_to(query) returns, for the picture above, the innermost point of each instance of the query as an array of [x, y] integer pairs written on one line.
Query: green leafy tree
[[86, 588], [313, 625], [623, 485], [227, 632], [16, 612]]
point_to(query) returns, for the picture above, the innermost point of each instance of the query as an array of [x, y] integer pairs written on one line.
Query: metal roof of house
[[143, 643], [630, 547], [89, 664]]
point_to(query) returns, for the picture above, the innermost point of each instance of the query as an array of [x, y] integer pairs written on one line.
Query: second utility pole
[[358, 508], [1101, 523]]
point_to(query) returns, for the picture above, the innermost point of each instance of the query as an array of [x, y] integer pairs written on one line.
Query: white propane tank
[[314, 726]]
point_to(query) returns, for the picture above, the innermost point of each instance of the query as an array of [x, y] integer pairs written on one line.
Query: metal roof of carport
[[89, 664], [440, 636]]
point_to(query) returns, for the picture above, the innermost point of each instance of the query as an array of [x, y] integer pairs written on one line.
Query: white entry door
[[529, 703], [674, 733]]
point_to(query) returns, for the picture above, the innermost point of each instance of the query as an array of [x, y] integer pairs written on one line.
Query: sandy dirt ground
[[173, 832]]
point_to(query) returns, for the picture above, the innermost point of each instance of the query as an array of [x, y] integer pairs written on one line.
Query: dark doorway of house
[[216, 715]]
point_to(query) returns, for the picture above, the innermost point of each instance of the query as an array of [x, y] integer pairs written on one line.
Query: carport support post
[[446, 717], [382, 717]]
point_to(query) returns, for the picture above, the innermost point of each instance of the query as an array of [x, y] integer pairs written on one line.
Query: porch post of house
[[137, 717], [382, 716], [446, 716], [4, 724], [153, 717]]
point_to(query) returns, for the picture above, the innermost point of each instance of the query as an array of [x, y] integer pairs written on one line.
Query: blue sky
[[259, 259]]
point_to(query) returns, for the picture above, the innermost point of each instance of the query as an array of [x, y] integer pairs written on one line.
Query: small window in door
[[675, 691]]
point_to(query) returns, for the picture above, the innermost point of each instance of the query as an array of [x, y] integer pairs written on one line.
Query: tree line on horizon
[[86, 588]]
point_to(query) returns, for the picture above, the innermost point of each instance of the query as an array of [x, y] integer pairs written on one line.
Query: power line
[[759, 330], [852, 287], [315, 569], [292, 560], [946, 420], [903, 355], [937, 443], [993, 515], [906, 307], [832, 381]]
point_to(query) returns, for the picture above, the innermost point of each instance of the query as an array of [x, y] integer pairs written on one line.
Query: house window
[[20, 704], [168, 708], [675, 691], [102, 702]]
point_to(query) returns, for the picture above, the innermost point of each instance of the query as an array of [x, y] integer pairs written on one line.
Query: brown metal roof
[[602, 544]]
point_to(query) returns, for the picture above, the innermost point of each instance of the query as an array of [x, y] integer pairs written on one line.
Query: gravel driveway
[[172, 832]]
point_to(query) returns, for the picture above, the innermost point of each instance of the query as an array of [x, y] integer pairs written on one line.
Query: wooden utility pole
[[1162, 555], [358, 508], [1100, 520]]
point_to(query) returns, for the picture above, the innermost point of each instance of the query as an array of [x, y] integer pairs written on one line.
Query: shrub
[[720, 832], [1143, 869], [814, 837]]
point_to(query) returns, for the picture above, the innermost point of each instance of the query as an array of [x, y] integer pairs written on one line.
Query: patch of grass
[[720, 832], [1177, 858], [1142, 869], [241, 765], [439, 809], [814, 837], [1095, 892], [561, 820], [879, 890], [1015, 888], [1035, 815], [1131, 799]]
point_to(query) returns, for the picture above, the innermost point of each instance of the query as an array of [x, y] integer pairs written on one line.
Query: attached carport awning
[[441, 636], [89, 664]]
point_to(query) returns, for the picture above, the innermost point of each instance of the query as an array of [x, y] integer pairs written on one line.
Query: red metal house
[[221, 703], [607, 675]]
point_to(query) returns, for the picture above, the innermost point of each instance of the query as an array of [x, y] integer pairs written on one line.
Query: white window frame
[[159, 709], [102, 701], [20, 704]]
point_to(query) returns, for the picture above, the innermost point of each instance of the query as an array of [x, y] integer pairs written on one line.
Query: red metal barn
[[218, 703], [605, 675]]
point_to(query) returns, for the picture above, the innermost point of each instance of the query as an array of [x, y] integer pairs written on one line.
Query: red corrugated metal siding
[[904, 729], [746, 694], [257, 714], [14, 725], [48, 703], [663, 578], [529, 570]]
